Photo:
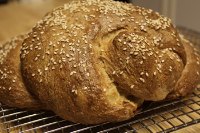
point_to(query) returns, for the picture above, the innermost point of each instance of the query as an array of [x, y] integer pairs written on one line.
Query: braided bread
[[97, 61], [12, 89]]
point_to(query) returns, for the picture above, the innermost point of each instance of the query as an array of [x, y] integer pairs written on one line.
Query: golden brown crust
[[139, 66], [92, 56], [97, 61], [190, 76], [12, 89]]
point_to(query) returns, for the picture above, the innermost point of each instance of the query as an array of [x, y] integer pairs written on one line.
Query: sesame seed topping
[[124, 49], [73, 72], [74, 91], [142, 73], [114, 72], [46, 68], [136, 53], [121, 72], [159, 66], [88, 74], [147, 74], [170, 68], [154, 73], [141, 79], [76, 36], [132, 86]]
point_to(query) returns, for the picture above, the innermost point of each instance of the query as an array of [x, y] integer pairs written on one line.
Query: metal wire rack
[[163, 116]]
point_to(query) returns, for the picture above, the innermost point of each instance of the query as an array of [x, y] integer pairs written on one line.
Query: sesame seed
[[88, 74], [124, 49], [36, 58], [141, 79], [74, 91], [136, 53], [121, 72], [170, 68], [147, 74], [47, 52], [143, 57], [154, 73], [142, 73], [132, 86], [85, 88], [159, 66], [46, 68], [73, 72]]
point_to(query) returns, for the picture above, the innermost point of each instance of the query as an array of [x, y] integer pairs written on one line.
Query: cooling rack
[[163, 116]]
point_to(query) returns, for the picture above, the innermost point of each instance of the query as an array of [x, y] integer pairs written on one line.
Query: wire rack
[[163, 116]]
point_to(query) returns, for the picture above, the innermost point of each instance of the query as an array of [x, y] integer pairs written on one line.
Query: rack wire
[[165, 116]]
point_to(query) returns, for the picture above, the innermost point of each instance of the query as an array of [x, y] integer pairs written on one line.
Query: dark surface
[[3, 1], [124, 0]]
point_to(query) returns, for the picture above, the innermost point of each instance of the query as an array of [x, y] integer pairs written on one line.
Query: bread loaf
[[97, 61], [12, 89]]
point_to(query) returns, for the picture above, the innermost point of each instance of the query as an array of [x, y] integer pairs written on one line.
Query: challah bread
[[97, 61], [190, 77], [12, 89]]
